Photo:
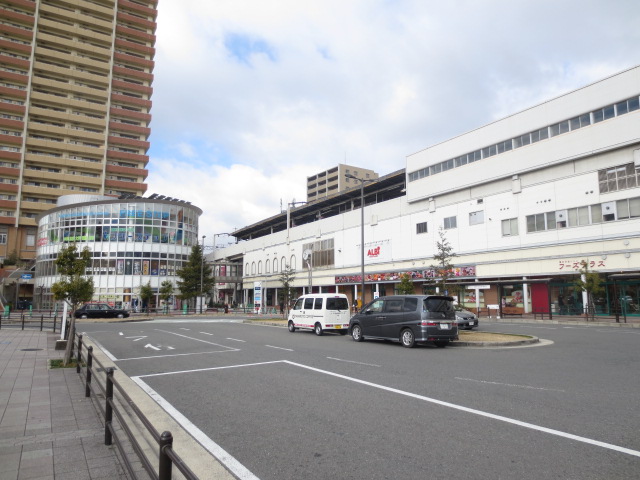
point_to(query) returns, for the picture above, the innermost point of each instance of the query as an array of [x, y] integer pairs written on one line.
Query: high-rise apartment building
[[335, 180], [75, 101]]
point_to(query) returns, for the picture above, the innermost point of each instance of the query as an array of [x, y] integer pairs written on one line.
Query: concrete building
[[133, 241], [75, 97], [523, 201], [335, 180]]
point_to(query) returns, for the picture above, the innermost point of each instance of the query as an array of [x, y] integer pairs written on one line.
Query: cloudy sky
[[252, 96]]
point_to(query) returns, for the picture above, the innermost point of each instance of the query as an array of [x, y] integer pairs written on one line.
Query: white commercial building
[[133, 242], [522, 201]]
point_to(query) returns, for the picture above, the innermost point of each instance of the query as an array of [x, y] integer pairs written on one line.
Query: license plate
[[338, 326], [444, 326]]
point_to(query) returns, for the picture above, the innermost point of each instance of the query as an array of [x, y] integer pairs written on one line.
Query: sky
[[251, 96]]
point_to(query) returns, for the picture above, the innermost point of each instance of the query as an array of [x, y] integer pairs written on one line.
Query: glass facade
[[132, 243]]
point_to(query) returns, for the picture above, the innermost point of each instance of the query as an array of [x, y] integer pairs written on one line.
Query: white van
[[320, 312]]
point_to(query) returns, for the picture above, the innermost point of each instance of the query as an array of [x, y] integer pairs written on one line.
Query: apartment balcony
[[7, 220], [20, 48], [14, 156], [120, 185], [55, 115], [79, 17], [133, 60], [63, 147], [9, 172], [133, 87], [125, 127], [67, 161], [12, 108], [89, 6], [38, 207], [67, 58], [116, 97], [71, 88], [64, 28], [16, 17], [13, 92], [14, 77], [137, 21], [147, 37], [128, 72], [8, 204], [67, 102], [26, 4], [8, 123], [123, 112], [136, 47], [115, 155], [129, 142], [10, 139], [24, 33], [66, 132], [124, 4], [9, 187], [14, 62], [128, 170], [75, 45], [72, 73]]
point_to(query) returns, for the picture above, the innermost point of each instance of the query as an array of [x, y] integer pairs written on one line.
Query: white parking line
[[510, 385], [192, 338], [423, 398], [236, 340], [227, 350], [351, 361], [280, 348], [207, 333]]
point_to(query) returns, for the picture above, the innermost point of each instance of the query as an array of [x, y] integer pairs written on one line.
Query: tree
[[12, 259], [190, 285], [592, 284], [74, 287], [443, 268], [288, 291], [406, 287], [146, 294], [165, 292]]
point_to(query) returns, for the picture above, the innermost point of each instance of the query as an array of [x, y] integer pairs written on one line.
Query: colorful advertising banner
[[395, 276]]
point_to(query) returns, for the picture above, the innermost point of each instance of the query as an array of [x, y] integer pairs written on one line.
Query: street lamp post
[[361, 180], [202, 272]]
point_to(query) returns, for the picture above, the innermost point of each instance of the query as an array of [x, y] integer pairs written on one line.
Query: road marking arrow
[[138, 338], [148, 345]]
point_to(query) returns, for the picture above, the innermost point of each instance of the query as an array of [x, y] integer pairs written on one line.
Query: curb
[[515, 343]]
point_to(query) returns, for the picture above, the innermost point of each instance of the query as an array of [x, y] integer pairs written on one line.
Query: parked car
[[408, 319], [320, 312], [465, 318], [100, 310]]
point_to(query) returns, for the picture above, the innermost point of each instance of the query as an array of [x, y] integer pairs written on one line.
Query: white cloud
[[364, 82]]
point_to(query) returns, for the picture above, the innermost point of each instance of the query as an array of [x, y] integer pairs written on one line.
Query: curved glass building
[[133, 242]]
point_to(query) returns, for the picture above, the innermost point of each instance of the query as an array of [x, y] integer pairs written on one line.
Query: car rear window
[[410, 304], [337, 304], [438, 304]]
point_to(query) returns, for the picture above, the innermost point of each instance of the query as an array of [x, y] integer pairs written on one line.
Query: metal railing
[[116, 399], [23, 320]]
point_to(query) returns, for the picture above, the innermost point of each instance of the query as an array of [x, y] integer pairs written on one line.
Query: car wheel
[[407, 338], [356, 333], [291, 326], [84, 315], [441, 343], [317, 329], [121, 315]]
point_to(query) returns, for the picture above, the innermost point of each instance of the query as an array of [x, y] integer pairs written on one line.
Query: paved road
[[290, 406]]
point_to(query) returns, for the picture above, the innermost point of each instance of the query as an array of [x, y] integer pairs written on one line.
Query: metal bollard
[[55, 317], [164, 467], [108, 411], [41, 321], [22, 321], [79, 357], [87, 391]]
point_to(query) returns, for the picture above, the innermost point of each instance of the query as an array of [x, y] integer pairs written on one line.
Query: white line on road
[[513, 421], [216, 450], [510, 385], [236, 340], [172, 355], [192, 338], [206, 333], [351, 361], [138, 338], [182, 328], [280, 348], [209, 369], [148, 345]]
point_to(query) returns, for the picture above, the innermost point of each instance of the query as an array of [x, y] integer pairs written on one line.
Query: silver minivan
[[408, 319]]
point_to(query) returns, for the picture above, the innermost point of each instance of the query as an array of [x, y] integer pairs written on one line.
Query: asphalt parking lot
[[284, 405]]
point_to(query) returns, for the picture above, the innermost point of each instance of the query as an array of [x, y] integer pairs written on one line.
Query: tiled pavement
[[48, 429]]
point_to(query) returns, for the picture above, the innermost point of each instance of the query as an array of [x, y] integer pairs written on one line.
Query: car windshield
[[337, 304], [438, 304]]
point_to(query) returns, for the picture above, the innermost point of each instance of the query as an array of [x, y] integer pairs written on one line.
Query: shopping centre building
[[133, 242], [522, 201]]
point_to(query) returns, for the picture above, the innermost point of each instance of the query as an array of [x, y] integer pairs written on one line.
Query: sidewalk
[[48, 429]]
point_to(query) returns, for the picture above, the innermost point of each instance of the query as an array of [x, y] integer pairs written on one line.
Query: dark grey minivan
[[408, 319]]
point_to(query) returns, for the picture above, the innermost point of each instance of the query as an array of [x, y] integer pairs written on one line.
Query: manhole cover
[[30, 349]]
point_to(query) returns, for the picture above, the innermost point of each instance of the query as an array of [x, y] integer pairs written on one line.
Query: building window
[[618, 178], [541, 222], [31, 238], [260, 267], [3, 238], [275, 265], [267, 266], [450, 222], [510, 227], [421, 227], [322, 252], [476, 218]]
